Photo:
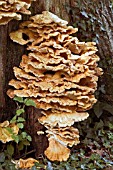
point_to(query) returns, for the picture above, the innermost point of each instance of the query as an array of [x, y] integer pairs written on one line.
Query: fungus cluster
[[10, 9], [5, 135], [24, 163], [60, 75]]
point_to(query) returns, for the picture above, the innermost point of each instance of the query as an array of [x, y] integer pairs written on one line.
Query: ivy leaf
[[98, 125], [19, 112], [20, 125], [110, 126], [9, 130], [99, 165], [20, 119], [10, 149], [29, 102], [100, 106], [108, 108], [26, 143], [24, 134], [110, 135], [67, 166], [18, 99], [29, 138], [13, 120], [16, 138], [98, 109], [20, 146]]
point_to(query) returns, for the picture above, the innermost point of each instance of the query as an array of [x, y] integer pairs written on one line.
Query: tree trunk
[[10, 52]]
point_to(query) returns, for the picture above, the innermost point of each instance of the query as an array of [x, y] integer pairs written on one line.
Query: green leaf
[[18, 99], [19, 112], [2, 157], [40, 165], [110, 135], [20, 146], [16, 138], [9, 130], [10, 149], [20, 125], [67, 166], [29, 102], [95, 156], [25, 142], [100, 106], [20, 119], [13, 120], [98, 109], [29, 138], [108, 108], [99, 165], [24, 134], [111, 126], [11, 166], [98, 125]]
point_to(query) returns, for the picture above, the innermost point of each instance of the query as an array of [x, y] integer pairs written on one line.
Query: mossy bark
[[10, 54]]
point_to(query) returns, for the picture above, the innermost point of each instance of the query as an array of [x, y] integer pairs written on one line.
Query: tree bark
[[10, 54]]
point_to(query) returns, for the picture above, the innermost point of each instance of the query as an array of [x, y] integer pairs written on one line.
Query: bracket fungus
[[5, 135], [24, 163], [10, 9], [60, 74]]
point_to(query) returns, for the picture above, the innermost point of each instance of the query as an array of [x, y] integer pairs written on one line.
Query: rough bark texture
[[105, 46], [10, 56]]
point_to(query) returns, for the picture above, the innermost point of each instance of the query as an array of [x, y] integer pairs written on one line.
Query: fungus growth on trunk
[[10, 9], [60, 75], [5, 135]]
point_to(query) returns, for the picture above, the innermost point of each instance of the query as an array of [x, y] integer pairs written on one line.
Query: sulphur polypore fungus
[[5, 135], [24, 163], [60, 75], [10, 9]]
